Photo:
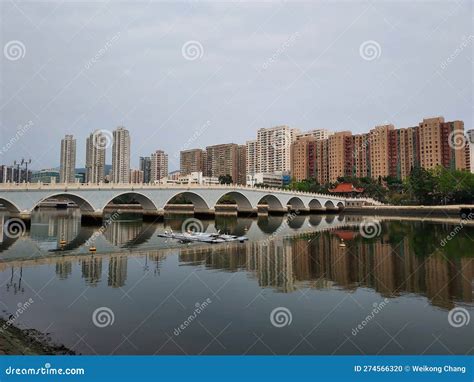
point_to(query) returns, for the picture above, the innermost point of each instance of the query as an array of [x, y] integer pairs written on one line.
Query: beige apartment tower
[[121, 156], [273, 148], [227, 159], [193, 160], [96, 144], [67, 162], [159, 165]]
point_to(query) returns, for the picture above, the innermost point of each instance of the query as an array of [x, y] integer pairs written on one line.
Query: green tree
[[225, 179]]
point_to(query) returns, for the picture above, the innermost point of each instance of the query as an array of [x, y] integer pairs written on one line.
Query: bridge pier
[[25, 217], [92, 217], [299, 211], [153, 215], [332, 210], [247, 212], [202, 213], [320, 210]]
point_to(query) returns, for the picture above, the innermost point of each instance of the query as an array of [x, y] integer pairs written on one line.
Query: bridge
[[21, 199]]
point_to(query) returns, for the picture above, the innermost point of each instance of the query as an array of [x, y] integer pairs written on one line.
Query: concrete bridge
[[21, 199]]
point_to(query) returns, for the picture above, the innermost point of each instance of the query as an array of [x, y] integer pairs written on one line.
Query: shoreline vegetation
[[438, 186], [16, 341]]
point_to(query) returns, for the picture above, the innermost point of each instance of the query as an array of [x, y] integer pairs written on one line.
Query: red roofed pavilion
[[346, 188]]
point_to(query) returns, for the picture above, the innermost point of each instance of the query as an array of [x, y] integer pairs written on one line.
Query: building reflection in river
[[405, 258]]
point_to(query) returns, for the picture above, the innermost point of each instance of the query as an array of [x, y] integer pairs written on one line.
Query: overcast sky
[[192, 74]]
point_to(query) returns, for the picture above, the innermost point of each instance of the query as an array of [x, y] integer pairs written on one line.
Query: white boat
[[203, 237]]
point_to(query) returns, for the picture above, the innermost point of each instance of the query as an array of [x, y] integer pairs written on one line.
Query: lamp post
[[26, 163]]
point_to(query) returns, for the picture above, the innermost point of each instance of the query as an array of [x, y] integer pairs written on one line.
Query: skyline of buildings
[[279, 151]]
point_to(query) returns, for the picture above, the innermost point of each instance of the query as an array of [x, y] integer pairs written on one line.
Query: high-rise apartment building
[[136, 176], [381, 141], [193, 160], [145, 167], [96, 144], [470, 149], [121, 156], [67, 162], [306, 155], [159, 165], [317, 134], [227, 159], [241, 164], [273, 148], [340, 154], [252, 155]]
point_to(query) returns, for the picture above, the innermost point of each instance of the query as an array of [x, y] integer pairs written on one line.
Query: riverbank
[[15, 341], [454, 211]]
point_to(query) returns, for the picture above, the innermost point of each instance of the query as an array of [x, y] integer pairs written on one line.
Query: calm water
[[300, 285]]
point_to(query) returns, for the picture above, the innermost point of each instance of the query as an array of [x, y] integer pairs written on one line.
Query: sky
[[182, 75]]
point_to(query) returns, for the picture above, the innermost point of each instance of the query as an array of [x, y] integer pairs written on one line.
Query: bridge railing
[[149, 186]]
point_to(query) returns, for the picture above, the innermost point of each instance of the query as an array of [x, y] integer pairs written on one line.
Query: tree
[[225, 179], [421, 184]]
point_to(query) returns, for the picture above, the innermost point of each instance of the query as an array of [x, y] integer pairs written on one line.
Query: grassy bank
[[15, 341]]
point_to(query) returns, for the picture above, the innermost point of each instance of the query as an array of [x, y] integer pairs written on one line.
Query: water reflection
[[405, 258]]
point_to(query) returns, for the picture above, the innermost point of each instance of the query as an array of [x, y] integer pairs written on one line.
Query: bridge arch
[[315, 204], [296, 203], [340, 206], [10, 206], [82, 203], [272, 201], [196, 199], [329, 205], [145, 201], [242, 201]]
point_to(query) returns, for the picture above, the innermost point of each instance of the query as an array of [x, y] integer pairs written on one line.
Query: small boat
[[202, 237]]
